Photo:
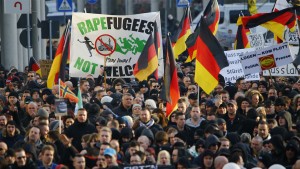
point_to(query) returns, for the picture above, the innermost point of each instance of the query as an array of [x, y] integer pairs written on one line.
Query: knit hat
[[43, 113], [136, 105], [14, 94], [150, 102], [55, 124], [128, 120], [106, 99]]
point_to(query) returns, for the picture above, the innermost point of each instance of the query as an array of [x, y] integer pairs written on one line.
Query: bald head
[[220, 161]]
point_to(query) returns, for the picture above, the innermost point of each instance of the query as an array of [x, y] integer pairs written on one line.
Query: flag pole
[[59, 116], [104, 72], [297, 28]]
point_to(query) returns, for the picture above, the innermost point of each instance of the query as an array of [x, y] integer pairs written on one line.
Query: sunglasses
[[29, 76]]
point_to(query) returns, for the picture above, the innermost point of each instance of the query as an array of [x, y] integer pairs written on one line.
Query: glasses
[[21, 157], [29, 76], [156, 86], [191, 89]]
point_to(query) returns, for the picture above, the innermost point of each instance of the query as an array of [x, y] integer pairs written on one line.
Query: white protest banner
[[286, 70], [250, 63], [256, 40], [291, 37], [234, 71], [274, 56], [119, 38], [266, 58]]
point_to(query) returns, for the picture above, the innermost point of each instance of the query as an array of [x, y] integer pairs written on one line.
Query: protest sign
[[286, 70], [266, 58], [45, 66], [291, 37], [61, 107], [256, 40], [250, 63], [235, 70], [119, 38]]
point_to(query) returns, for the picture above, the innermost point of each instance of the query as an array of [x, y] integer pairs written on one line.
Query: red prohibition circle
[[104, 46]]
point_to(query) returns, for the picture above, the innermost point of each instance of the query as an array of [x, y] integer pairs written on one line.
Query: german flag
[[147, 62], [157, 46], [34, 66], [274, 21], [241, 40], [182, 34], [278, 6], [212, 15], [296, 62], [65, 92], [60, 60], [211, 60], [170, 90]]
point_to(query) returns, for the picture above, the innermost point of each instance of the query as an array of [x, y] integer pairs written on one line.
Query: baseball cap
[[110, 152], [220, 121]]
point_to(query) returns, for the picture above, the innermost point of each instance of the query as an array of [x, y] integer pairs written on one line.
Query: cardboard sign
[[266, 58], [45, 66], [234, 71]]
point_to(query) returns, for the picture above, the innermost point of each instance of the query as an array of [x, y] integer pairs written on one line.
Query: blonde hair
[[160, 154]]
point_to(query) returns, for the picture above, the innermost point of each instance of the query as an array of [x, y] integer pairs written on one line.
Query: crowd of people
[[123, 124]]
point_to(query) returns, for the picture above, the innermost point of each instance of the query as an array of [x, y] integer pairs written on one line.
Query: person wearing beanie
[[54, 125], [150, 104], [43, 113], [136, 111]]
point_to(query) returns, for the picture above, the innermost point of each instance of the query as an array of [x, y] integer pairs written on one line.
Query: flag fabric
[[157, 46], [147, 62], [58, 63], [170, 89], [241, 40], [274, 21], [65, 92], [212, 15], [182, 33], [34, 66], [79, 104], [278, 6], [210, 60], [252, 8]]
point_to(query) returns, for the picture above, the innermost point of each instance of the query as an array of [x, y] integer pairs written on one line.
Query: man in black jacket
[[80, 127], [22, 161], [124, 109]]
